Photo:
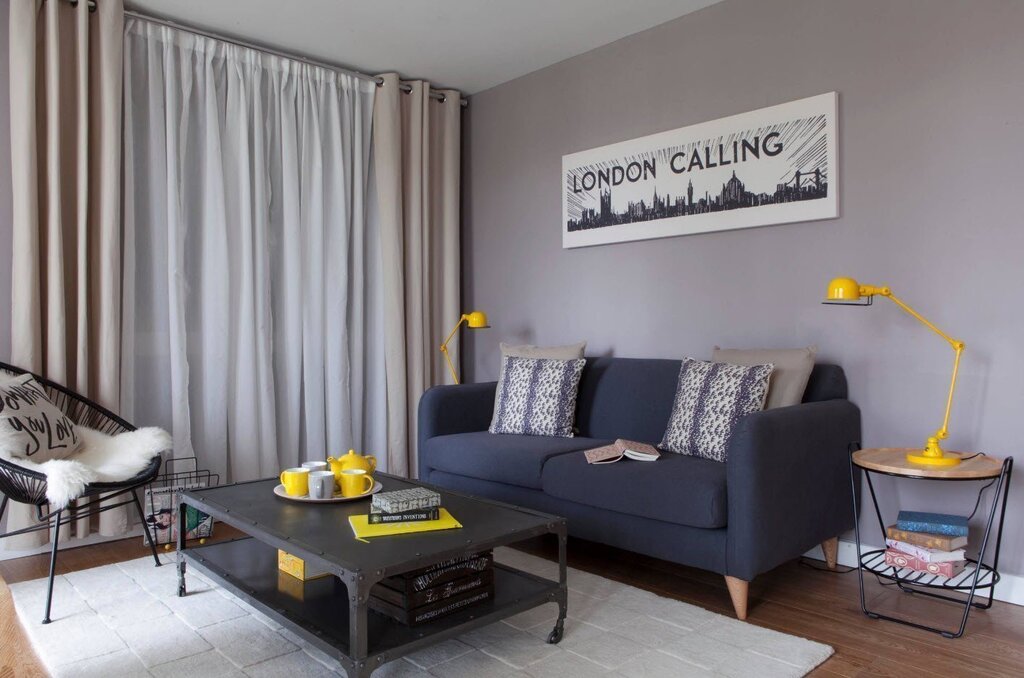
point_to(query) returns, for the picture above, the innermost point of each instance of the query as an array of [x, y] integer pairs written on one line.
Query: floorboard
[[796, 598]]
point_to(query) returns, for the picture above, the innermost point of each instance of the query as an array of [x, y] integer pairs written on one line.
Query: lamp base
[[947, 458]]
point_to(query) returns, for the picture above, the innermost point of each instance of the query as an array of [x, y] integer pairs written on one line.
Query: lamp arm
[[454, 330], [958, 348], [444, 348], [885, 292], [943, 432]]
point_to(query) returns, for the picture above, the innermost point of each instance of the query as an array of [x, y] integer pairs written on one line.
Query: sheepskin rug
[[99, 458]]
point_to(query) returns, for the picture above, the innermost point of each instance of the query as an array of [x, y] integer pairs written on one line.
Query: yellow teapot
[[351, 461]]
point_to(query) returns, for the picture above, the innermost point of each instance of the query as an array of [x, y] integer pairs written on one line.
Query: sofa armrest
[[444, 410], [464, 408], [788, 483]]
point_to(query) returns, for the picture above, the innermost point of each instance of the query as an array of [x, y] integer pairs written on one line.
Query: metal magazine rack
[[161, 502]]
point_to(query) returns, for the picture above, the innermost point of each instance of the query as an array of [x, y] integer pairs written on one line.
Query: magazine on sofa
[[622, 449]]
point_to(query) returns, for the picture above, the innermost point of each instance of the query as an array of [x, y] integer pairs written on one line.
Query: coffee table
[[332, 613]]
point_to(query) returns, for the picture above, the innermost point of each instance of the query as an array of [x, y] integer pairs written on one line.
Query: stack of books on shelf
[[436, 591], [934, 543], [402, 512]]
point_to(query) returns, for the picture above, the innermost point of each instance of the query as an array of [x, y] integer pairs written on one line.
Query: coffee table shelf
[[333, 613], [248, 568]]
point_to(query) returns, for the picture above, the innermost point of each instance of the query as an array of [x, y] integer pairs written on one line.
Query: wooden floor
[[794, 599]]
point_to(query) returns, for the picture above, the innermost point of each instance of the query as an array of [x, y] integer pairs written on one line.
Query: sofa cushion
[[537, 396], [710, 401], [567, 352], [675, 489], [626, 398], [512, 459], [789, 378]]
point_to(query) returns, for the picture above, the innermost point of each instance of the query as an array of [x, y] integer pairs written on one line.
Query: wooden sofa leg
[[738, 592], [830, 547]]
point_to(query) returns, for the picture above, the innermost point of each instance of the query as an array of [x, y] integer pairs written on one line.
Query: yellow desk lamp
[[848, 291], [476, 320]]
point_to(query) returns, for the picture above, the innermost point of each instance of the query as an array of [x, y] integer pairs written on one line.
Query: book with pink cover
[[925, 554], [620, 449], [899, 559]]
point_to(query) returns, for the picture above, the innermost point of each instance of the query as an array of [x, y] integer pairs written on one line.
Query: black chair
[[29, 487]]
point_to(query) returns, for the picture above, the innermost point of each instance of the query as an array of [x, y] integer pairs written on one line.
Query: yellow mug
[[295, 481], [354, 482]]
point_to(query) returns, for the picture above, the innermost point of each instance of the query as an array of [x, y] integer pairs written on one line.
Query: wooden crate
[[449, 589], [429, 577], [436, 591], [436, 610]]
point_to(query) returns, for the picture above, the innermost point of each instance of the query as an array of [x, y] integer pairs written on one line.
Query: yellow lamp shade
[[477, 320], [843, 289]]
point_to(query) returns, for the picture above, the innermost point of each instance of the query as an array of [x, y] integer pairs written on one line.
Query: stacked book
[[934, 543], [405, 506], [403, 512], [436, 591]]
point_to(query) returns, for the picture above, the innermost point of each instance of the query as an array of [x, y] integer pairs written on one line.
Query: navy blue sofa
[[784, 489]]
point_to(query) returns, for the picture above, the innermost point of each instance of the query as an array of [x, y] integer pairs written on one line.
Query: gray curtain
[[65, 82], [417, 161], [252, 303]]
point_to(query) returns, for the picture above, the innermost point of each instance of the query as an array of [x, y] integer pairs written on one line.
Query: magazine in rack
[[161, 504]]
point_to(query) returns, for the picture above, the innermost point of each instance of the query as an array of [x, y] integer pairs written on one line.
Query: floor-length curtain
[[417, 159], [253, 328], [65, 85]]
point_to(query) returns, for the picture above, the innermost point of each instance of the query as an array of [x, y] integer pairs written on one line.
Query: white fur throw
[[99, 458]]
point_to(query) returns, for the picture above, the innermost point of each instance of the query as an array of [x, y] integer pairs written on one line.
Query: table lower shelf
[[319, 609], [874, 562]]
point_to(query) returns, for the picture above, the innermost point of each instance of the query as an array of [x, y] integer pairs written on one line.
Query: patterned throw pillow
[[537, 396], [710, 399], [31, 427]]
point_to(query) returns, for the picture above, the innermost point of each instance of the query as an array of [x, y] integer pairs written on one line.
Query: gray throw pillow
[[32, 427], [789, 379], [710, 400], [537, 396], [567, 352]]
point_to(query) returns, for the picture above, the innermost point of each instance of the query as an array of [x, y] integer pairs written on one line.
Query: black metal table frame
[[358, 583], [915, 587]]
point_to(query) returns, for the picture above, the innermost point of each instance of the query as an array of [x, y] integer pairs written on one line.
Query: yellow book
[[363, 529]]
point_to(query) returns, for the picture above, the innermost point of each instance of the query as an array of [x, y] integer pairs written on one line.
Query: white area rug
[[126, 620]]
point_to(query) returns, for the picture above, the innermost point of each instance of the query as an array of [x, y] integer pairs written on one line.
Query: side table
[[979, 575]]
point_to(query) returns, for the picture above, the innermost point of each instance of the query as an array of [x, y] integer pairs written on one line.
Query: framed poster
[[774, 165]]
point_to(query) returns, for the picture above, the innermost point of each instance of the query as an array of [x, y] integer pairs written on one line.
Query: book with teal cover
[[935, 523]]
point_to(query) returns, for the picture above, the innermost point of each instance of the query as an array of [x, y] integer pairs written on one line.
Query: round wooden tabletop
[[894, 460]]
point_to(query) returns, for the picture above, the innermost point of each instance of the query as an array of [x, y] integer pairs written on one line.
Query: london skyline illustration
[[734, 195]]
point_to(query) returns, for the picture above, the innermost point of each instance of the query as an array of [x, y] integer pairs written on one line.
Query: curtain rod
[[434, 94]]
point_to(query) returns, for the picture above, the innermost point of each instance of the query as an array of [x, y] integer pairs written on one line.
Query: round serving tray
[[279, 491]]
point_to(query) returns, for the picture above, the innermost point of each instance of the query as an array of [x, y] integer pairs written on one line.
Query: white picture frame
[[774, 165]]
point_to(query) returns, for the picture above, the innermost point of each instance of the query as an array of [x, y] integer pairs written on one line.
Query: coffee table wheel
[[556, 633]]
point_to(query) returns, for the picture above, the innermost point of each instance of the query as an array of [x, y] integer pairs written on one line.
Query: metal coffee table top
[[324, 530]]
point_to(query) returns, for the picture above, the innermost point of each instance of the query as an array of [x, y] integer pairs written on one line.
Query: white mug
[[315, 465], [321, 485]]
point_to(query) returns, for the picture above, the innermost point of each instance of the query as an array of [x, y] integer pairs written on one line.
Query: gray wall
[[930, 136], [5, 193]]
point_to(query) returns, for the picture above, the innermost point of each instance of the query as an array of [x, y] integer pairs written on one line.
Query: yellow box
[[290, 586], [297, 567]]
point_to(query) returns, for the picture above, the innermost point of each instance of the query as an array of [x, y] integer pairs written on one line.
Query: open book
[[609, 454]]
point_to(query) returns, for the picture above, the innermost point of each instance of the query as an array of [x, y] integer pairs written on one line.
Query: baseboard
[[1010, 588], [95, 538]]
